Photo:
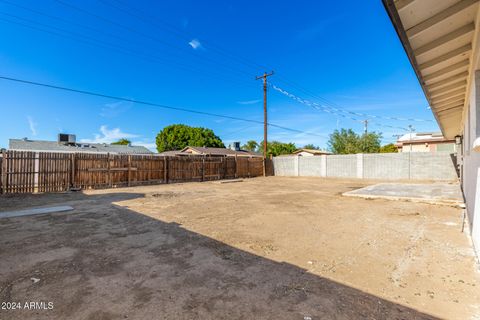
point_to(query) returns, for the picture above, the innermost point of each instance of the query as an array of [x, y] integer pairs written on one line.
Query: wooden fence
[[28, 172]]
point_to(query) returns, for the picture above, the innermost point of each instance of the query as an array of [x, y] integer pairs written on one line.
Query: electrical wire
[[327, 107], [102, 95], [335, 107], [161, 41], [106, 45], [322, 108]]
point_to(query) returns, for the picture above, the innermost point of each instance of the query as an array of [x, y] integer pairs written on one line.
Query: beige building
[[442, 41], [310, 152], [425, 142]]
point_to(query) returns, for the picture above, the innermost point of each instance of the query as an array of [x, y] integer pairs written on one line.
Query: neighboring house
[[442, 41], [207, 151], [219, 152], [425, 142], [67, 143], [170, 153], [310, 152]]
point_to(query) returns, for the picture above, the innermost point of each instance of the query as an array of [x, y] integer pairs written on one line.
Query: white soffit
[[438, 36]]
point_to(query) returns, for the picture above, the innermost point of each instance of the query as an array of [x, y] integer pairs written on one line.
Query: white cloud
[[32, 125], [149, 145], [109, 136], [195, 44], [249, 101], [110, 110]]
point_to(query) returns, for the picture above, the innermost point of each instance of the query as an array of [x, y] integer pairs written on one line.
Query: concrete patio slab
[[435, 193], [29, 212]]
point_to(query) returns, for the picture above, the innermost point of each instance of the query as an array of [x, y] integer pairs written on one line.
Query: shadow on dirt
[[105, 261]]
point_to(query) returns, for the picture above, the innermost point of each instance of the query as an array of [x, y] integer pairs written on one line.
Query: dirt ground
[[264, 248]]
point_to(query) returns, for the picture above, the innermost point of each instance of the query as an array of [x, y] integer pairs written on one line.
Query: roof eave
[[400, 30]]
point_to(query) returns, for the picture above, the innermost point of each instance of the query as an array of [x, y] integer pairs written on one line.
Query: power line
[[330, 105], [133, 30], [335, 107], [102, 44], [154, 21], [90, 93], [96, 30], [185, 35], [328, 110], [248, 63]]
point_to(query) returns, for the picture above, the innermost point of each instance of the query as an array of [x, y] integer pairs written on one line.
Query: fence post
[[224, 167], [360, 165], [236, 167], [129, 164], [166, 169], [4, 172], [37, 171], [203, 168], [72, 170], [323, 165], [296, 165], [110, 171]]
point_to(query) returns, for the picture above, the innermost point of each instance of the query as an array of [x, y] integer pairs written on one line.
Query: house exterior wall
[[304, 154], [429, 147], [471, 161]]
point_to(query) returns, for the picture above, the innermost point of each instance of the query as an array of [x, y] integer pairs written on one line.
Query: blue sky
[[203, 55]]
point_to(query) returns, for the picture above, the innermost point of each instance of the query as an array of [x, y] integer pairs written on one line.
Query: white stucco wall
[[471, 161]]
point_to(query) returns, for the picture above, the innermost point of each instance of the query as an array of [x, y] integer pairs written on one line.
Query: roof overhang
[[439, 37]]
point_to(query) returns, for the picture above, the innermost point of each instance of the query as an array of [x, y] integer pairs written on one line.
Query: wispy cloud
[[322, 25], [249, 101], [195, 44], [109, 136], [33, 125], [110, 110]]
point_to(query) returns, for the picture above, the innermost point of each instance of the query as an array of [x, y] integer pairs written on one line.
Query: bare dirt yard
[[264, 248]]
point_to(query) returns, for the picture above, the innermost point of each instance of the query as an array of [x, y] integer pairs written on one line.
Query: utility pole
[[412, 129], [365, 126], [264, 77]]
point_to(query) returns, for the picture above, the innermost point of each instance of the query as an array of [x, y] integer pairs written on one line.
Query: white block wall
[[415, 166]]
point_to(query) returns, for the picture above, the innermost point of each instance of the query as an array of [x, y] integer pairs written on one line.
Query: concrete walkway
[[436, 193], [34, 211]]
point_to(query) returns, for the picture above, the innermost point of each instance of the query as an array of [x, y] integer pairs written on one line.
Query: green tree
[[179, 136], [276, 148], [346, 141], [251, 145], [122, 142], [370, 142], [311, 146], [388, 148]]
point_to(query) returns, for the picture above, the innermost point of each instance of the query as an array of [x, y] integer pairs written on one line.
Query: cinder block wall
[[415, 166], [341, 165]]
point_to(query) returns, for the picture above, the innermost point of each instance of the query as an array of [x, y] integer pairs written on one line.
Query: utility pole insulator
[[265, 123]]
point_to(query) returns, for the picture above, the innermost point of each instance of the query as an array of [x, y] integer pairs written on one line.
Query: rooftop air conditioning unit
[[66, 138], [236, 146]]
